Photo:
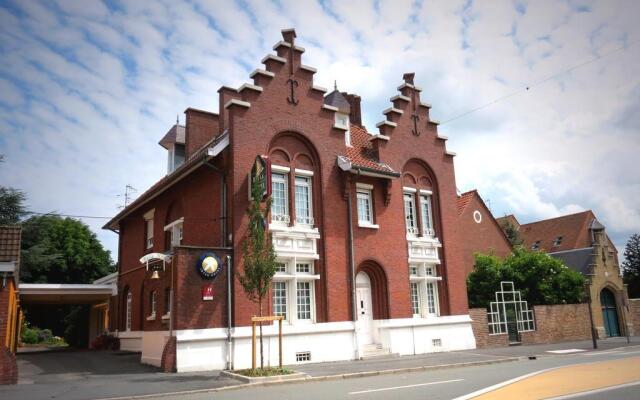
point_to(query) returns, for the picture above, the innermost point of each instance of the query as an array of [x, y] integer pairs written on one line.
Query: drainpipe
[[352, 266], [229, 339]]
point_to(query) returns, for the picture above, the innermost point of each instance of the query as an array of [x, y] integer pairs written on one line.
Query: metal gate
[[509, 313]]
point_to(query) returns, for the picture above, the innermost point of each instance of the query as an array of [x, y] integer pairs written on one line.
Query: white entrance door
[[365, 315]]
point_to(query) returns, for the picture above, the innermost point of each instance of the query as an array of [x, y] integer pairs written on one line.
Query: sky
[[87, 88]]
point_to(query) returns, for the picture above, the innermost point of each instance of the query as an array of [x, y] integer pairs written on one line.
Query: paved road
[[82, 375], [433, 385]]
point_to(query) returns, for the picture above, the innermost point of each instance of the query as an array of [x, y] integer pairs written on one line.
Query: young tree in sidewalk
[[631, 266], [259, 257]]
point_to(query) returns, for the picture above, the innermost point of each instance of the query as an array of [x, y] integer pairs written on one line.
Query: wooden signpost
[[254, 320]]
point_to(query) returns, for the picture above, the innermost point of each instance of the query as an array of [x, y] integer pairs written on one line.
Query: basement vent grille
[[436, 342], [303, 356]]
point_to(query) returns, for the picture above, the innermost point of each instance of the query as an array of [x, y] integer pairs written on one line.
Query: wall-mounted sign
[[261, 170], [207, 292], [209, 265]]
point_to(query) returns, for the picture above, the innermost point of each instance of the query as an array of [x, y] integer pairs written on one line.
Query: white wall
[[206, 349], [153, 343], [130, 341], [415, 335]]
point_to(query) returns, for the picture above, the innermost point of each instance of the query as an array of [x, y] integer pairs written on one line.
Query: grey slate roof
[[578, 260], [336, 99]]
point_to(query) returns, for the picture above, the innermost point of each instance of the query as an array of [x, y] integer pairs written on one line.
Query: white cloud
[[86, 92]]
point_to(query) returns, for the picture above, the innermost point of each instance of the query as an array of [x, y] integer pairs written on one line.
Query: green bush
[[30, 336], [540, 278]]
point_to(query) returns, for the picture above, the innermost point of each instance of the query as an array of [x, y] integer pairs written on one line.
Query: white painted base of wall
[[425, 335], [130, 340], [206, 349], [149, 343], [153, 343]]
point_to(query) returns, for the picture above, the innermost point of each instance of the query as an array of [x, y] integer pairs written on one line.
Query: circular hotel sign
[[209, 265]]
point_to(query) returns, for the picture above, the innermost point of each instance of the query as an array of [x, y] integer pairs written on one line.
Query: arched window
[[153, 300], [128, 310]]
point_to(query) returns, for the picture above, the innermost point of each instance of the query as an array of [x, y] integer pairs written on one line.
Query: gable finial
[[335, 85], [177, 119]]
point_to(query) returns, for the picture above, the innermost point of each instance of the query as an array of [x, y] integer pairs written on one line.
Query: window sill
[[368, 226], [151, 317], [166, 316]]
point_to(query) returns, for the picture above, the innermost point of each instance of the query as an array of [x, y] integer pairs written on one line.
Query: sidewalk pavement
[[85, 375], [388, 364]]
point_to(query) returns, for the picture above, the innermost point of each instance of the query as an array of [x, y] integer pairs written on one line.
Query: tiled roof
[[361, 151], [464, 199], [10, 243], [573, 228]]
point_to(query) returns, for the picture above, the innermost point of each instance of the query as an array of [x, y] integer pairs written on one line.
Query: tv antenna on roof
[[128, 196]]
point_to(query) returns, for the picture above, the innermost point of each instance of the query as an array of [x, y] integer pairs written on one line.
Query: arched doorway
[[364, 308], [609, 312]]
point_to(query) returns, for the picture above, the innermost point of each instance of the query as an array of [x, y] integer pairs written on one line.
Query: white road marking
[[566, 351], [404, 387], [597, 353], [594, 391], [501, 384]]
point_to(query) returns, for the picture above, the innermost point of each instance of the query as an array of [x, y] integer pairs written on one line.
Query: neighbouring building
[[479, 230], [364, 224], [10, 316], [580, 241]]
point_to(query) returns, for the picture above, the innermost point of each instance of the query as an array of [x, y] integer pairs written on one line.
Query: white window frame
[[280, 218], [308, 220], [148, 227], [425, 276], [410, 217], [291, 277], [426, 204], [342, 121], [177, 231], [154, 299], [364, 191], [129, 311]]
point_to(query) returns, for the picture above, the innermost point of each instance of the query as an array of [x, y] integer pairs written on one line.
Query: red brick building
[[480, 231], [365, 228]]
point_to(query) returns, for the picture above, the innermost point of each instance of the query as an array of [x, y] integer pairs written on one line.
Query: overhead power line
[[540, 82]]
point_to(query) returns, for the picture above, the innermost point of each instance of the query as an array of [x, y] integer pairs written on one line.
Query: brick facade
[[634, 316], [8, 367], [481, 233], [300, 136], [555, 323], [481, 330]]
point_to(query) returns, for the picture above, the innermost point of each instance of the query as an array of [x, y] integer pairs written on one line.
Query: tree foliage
[[540, 278], [631, 266], [511, 232], [11, 203], [259, 256], [61, 250]]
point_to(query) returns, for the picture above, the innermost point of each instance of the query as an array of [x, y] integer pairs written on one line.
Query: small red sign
[[207, 292]]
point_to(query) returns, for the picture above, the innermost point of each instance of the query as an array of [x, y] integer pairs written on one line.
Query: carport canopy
[[54, 293]]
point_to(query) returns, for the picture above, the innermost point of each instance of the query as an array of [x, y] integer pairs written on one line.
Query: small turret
[[174, 142]]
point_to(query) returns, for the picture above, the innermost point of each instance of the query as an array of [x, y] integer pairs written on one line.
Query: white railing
[[412, 231], [305, 220], [280, 218]]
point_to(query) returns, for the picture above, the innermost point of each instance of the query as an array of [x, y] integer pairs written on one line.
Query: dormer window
[[342, 122], [175, 157]]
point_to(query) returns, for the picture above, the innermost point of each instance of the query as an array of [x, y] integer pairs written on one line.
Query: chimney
[[201, 127], [355, 115]]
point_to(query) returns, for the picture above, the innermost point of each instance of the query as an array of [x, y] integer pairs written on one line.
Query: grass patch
[[268, 371]]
